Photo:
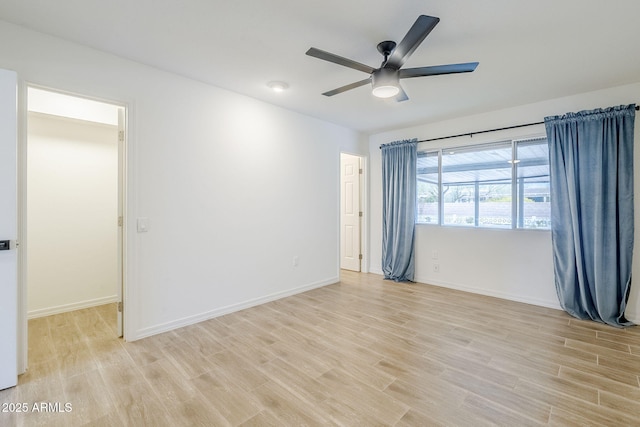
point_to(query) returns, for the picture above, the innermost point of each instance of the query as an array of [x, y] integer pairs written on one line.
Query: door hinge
[[119, 221], [121, 135], [360, 257], [360, 214], [360, 171], [119, 306]]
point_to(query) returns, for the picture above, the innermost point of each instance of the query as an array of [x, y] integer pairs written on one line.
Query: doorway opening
[[74, 206], [351, 212]]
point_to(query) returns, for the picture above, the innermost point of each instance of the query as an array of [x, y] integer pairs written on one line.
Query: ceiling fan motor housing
[[385, 82]]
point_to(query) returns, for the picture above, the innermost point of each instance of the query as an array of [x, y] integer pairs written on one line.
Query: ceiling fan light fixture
[[385, 91], [385, 83]]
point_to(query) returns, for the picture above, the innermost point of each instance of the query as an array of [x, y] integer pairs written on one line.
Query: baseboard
[[190, 320], [630, 315], [376, 270], [487, 292], [496, 294], [48, 311]]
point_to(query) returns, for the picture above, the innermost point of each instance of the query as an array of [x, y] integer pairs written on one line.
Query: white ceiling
[[528, 50]]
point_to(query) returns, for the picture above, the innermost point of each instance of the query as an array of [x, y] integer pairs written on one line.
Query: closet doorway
[[74, 197]]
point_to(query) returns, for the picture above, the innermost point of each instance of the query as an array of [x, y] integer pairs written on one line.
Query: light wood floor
[[361, 352]]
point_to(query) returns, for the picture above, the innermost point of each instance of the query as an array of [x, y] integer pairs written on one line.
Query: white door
[[8, 230], [350, 212]]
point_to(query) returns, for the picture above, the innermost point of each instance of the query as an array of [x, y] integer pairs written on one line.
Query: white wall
[[233, 188], [72, 206], [511, 264]]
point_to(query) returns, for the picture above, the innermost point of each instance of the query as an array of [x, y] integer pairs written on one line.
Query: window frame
[[517, 213]]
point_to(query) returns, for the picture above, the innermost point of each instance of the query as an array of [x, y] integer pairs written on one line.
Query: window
[[476, 186], [532, 167], [499, 185], [428, 187]]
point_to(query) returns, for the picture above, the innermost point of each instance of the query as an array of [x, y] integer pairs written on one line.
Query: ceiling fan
[[385, 80]]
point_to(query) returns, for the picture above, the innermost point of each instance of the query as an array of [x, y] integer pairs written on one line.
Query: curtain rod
[[489, 130]]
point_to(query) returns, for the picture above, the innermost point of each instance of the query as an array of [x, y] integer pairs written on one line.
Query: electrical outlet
[[436, 268], [296, 260], [434, 255]]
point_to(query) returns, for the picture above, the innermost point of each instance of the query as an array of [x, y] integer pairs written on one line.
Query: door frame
[[123, 167], [364, 204], [9, 228]]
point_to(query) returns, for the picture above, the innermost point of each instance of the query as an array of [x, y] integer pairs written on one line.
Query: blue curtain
[[591, 174], [399, 163]]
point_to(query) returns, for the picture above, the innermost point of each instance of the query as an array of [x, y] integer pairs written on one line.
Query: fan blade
[[435, 70], [347, 87], [321, 54], [402, 95], [417, 33]]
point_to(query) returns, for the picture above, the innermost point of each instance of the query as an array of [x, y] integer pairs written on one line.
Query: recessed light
[[278, 86]]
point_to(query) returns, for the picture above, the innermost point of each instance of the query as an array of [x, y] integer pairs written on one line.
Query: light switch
[[143, 225]]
